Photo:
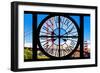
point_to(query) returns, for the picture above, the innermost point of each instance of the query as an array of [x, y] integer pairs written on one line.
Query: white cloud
[[28, 45]]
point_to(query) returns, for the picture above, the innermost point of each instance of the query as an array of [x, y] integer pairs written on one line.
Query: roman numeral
[[45, 28], [69, 49]]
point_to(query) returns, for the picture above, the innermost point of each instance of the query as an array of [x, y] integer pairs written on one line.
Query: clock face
[[58, 36]]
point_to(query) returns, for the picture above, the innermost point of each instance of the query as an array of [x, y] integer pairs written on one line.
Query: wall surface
[[5, 20]]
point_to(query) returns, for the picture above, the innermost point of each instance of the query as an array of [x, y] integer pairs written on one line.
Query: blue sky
[[28, 25], [28, 28], [86, 28]]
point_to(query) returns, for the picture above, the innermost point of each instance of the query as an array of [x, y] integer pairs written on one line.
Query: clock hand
[[69, 30]]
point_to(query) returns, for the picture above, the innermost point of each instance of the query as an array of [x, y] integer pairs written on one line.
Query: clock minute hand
[[69, 30]]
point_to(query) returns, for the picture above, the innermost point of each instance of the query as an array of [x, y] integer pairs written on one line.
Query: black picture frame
[[14, 35]]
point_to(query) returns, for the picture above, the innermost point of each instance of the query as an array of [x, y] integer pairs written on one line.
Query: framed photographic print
[[52, 36]]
